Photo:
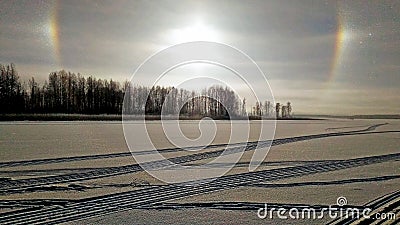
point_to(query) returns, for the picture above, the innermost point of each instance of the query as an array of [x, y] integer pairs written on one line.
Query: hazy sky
[[326, 57]]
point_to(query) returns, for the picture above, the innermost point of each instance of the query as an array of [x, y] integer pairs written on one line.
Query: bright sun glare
[[195, 32]]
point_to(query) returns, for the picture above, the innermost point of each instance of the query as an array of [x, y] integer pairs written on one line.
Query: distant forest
[[70, 93]]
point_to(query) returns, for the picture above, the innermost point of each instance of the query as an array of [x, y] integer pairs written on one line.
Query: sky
[[325, 57]]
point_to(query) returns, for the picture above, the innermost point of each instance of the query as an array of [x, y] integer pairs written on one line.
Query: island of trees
[[69, 93]]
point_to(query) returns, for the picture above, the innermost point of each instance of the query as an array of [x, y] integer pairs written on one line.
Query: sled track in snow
[[15, 186], [127, 154], [102, 205], [104, 156]]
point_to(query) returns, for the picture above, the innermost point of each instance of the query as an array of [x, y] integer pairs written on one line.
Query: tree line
[[213, 101], [268, 110], [70, 93]]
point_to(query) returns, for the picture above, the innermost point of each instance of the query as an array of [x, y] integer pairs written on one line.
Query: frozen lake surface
[[32, 140], [80, 179]]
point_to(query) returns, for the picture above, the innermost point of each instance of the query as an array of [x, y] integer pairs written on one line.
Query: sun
[[196, 32]]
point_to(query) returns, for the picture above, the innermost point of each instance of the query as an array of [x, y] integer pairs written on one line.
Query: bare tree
[[277, 109], [289, 109]]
